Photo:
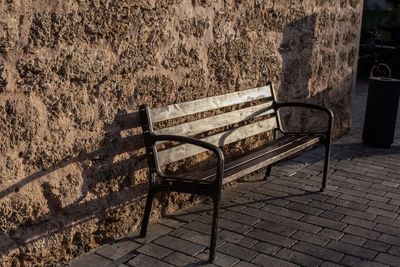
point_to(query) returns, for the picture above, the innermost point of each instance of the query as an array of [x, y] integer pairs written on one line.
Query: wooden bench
[[252, 112]]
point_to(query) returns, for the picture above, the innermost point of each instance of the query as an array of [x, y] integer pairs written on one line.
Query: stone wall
[[73, 73]]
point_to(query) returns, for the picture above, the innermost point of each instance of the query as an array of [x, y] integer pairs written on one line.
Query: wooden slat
[[210, 123], [201, 105], [274, 145], [221, 139], [268, 159], [255, 160]]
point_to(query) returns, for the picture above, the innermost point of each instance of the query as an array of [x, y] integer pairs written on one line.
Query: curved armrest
[[184, 139], [311, 106]]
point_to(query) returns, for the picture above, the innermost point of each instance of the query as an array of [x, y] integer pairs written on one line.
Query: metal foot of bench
[[326, 165], [147, 210], [268, 172], [214, 229]]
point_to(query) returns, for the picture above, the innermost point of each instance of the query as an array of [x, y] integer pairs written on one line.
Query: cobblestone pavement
[[285, 221]]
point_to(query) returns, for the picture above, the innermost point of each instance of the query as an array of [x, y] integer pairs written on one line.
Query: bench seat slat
[[260, 158], [249, 156], [209, 103], [210, 123], [187, 150], [270, 158]]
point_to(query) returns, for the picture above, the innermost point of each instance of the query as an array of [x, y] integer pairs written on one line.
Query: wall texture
[[73, 72]]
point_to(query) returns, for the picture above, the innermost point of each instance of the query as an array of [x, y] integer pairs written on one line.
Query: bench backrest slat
[[186, 150], [218, 121], [210, 103]]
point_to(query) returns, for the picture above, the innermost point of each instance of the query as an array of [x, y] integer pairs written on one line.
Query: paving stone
[[118, 249], [352, 239], [311, 238], [304, 209], [266, 248], [303, 226], [329, 233], [170, 222], [320, 252], [283, 212], [393, 195], [91, 260], [330, 264], [239, 217], [154, 231], [187, 217], [388, 259], [155, 251], [347, 204], [298, 258], [245, 264], [276, 228], [268, 261], [221, 259], [395, 250], [386, 221], [355, 213], [378, 246], [238, 239], [264, 215], [331, 215], [355, 199], [199, 238], [206, 218], [271, 238], [362, 232], [228, 195], [386, 188], [146, 261], [321, 205], [324, 222], [237, 251], [369, 190], [358, 222], [382, 212], [277, 202], [302, 199], [377, 198], [234, 226], [389, 239], [180, 259], [357, 262], [180, 245], [199, 227], [386, 229], [391, 184], [352, 250]]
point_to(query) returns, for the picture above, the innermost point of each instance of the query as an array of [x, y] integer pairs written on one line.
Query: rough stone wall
[[73, 72]]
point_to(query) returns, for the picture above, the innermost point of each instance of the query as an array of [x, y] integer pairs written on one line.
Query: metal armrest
[[184, 139], [311, 106]]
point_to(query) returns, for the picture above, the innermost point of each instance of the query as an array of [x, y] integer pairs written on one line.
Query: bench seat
[[251, 161]]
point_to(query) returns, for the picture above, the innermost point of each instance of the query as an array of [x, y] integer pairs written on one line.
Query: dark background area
[[380, 35]]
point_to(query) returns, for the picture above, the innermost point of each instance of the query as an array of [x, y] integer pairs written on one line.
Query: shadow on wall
[[296, 50], [98, 166], [297, 47]]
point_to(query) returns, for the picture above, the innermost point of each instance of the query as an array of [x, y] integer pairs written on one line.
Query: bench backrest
[[240, 118]]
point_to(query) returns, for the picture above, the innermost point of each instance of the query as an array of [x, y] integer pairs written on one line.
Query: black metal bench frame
[[211, 182]]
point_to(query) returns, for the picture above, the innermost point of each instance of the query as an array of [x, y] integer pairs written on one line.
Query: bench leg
[[147, 210], [326, 165], [214, 229], [268, 172]]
